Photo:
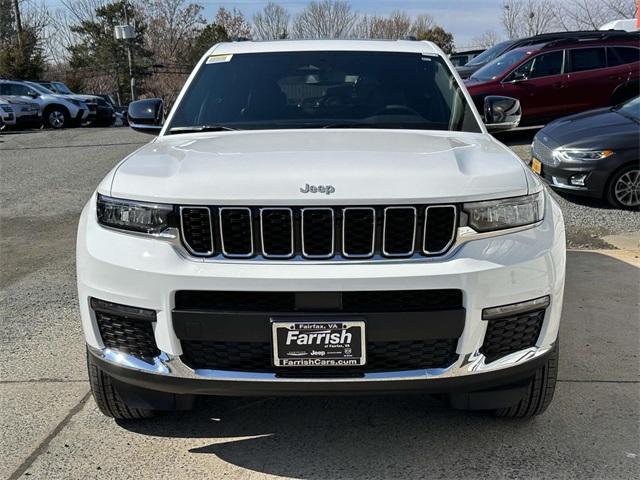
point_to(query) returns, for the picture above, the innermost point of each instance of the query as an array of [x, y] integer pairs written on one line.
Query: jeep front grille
[[318, 232]]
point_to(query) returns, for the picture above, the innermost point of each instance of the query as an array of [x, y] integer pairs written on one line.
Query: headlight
[[134, 216], [506, 213], [579, 154]]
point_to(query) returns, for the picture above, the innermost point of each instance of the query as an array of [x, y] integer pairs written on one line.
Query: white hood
[[364, 167]]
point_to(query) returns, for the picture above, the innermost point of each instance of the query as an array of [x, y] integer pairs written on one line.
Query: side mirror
[[32, 94], [501, 113], [146, 116]]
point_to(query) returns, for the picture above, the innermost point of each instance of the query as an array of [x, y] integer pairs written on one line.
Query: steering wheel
[[397, 109]]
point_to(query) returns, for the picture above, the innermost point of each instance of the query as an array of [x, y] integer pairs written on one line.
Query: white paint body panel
[[374, 167]]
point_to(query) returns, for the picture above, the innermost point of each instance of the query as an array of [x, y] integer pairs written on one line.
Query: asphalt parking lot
[[52, 428]]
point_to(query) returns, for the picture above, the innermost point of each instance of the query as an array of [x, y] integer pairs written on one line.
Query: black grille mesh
[[358, 232], [277, 232], [399, 231], [440, 223], [319, 232], [236, 231], [381, 356], [510, 334], [134, 337], [196, 228]]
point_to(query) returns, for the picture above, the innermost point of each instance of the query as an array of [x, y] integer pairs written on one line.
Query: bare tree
[[591, 15], [421, 25], [59, 36], [172, 26], [486, 40], [396, 25], [233, 22], [511, 17], [524, 18], [271, 23], [325, 19]]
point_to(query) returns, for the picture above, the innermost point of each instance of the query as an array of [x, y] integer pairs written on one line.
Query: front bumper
[[168, 374], [562, 177], [490, 271]]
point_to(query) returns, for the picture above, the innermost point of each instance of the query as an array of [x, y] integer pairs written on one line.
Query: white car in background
[[27, 112], [341, 222], [7, 114]]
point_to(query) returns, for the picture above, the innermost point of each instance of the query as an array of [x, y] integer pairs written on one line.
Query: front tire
[[56, 117], [540, 392], [623, 190], [107, 397]]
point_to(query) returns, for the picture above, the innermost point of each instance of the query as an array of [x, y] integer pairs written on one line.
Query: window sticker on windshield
[[219, 58]]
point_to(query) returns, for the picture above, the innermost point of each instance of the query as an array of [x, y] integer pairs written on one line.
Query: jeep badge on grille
[[327, 189]]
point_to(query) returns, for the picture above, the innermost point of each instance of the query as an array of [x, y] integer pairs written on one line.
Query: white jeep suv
[[321, 217]]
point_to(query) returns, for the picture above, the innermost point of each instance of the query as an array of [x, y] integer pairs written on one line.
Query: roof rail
[[607, 35]]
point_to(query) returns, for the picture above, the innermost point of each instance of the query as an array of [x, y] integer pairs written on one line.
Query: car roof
[[573, 43], [406, 46]]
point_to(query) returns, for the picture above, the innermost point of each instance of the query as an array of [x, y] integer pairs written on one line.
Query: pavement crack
[[24, 466]]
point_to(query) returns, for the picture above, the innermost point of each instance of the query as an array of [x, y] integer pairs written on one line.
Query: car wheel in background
[[56, 117], [623, 190]]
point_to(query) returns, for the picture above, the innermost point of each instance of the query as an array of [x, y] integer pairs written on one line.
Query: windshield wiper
[[201, 128]]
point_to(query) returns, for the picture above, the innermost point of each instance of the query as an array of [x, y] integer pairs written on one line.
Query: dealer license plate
[[326, 343], [536, 166]]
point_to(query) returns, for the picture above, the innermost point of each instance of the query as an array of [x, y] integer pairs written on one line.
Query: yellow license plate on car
[[536, 166]]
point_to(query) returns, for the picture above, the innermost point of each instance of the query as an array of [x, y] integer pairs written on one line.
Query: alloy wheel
[[56, 119], [627, 188]]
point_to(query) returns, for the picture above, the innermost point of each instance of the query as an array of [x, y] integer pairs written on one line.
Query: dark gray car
[[594, 153]]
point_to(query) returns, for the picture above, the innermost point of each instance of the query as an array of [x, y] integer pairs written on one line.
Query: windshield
[[39, 88], [60, 87], [324, 89], [499, 66], [490, 53], [630, 108]]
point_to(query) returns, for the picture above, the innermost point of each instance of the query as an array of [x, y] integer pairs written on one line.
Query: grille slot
[[439, 228], [399, 231], [236, 232], [318, 232], [510, 334], [356, 301], [358, 232], [297, 233], [197, 230], [381, 356], [277, 232]]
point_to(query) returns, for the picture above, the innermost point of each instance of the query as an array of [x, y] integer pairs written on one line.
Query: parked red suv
[[562, 77]]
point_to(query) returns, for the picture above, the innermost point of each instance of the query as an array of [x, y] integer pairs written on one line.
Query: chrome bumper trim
[[172, 366]]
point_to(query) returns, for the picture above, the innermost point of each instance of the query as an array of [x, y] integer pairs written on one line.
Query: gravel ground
[[587, 220]]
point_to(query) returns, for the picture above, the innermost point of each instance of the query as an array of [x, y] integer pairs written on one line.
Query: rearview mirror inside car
[[146, 116], [501, 113]]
